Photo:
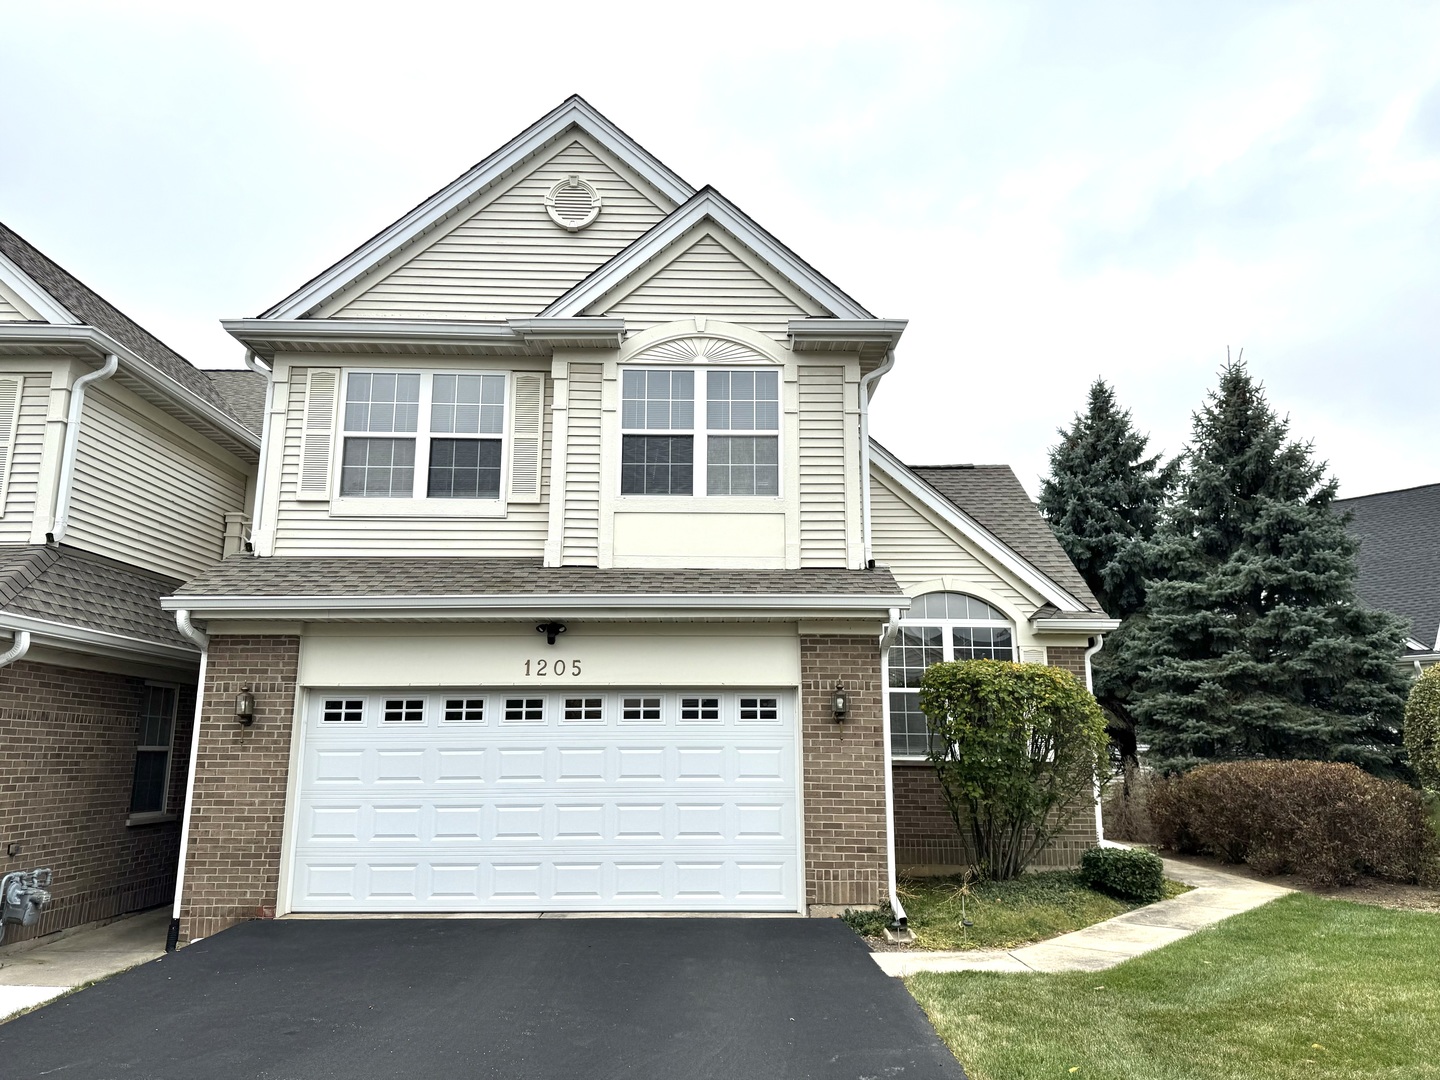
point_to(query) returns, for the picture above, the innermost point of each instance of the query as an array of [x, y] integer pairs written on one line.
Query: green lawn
[[1004, 913], [1301, 989]]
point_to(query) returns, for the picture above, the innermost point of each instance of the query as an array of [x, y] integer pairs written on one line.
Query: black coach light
[[551, 630], [245, 707], [840, 703]]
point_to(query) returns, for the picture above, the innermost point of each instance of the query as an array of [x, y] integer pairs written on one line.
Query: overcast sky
[[1048, 192]]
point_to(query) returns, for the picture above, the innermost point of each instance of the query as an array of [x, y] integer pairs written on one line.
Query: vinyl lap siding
[[917, 548], [9, 312], [25, 458], [822, 466], [707, 279], [306, 528], [143, 496], [582, 473], [509, 260]]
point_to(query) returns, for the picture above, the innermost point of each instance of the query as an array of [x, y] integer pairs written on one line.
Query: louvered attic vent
[[573, 203]]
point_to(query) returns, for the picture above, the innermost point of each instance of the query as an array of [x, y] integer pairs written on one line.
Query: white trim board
[[32, 295]]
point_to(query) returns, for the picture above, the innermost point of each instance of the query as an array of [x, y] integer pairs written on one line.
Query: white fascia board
[[882, 332], [79, 638], [598, 332], [102, 345], [251, 332], [968, 527], [1075, 626], [45, 305], [707, 204], [575, 112]]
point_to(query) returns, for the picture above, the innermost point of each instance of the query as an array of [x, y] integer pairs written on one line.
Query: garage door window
[[464, 710]]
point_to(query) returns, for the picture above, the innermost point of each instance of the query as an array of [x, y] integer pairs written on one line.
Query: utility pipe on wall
[[896, 908], [72, 440], [866, 382], [18, 648], [182, 621], [1090, 686], [269, 373]]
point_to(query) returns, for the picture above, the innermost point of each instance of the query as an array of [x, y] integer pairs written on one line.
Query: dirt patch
[[1386, 894]]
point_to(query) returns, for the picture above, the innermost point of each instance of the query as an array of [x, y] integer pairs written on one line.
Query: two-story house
[[123, 470], [577, 583]]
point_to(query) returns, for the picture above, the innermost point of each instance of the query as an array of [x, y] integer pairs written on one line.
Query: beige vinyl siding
[[917, 547], [306, 528], [25, 455], [9, 312], [823, 531], [143, 495], [509, 260], [582, 472], [707, 279]]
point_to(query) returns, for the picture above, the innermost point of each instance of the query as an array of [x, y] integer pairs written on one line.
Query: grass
[[1004, 914], [1301, 988]]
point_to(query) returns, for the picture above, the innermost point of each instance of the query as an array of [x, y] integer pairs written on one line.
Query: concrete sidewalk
[[1216, 895], [34, 973]]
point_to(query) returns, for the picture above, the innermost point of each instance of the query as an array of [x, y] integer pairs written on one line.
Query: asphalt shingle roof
[[1399, 535], [77, 588], [243, 575], [244, 392], [993, 496]]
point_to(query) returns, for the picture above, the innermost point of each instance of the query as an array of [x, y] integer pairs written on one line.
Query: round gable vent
[[573, 203]]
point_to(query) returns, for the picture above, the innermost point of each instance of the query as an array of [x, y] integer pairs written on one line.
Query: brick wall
[[1069, 657], [67, 762], [844, 769], [233, 864]]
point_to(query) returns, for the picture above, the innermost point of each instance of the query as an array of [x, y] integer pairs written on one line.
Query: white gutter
[[72, 439], [182, 620], [98, 640], [896, 908], [1075, 626], [1090, 686], [18, 648], [867, 382], [269, 375]]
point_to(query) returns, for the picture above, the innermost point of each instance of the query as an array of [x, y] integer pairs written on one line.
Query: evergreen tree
[[1253, 643]]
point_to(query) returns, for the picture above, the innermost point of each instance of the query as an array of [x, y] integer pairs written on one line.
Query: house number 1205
[[552, 667]]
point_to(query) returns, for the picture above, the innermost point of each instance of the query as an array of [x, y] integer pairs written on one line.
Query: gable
[[708, 274], [508, 259], [13, 309]]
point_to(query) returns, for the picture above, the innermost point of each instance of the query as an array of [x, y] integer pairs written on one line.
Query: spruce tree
[[1253, 643]]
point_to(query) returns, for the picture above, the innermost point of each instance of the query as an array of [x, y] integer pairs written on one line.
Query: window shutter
[[318, 435], [10, 388], [526, 423]]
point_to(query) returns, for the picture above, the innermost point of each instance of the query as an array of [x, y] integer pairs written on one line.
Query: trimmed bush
[[1126, 873], [1323, 821], [1422, 727]]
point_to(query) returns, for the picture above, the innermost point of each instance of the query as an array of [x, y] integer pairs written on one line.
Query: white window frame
[[701, 433], [419, 503], [146, 817]]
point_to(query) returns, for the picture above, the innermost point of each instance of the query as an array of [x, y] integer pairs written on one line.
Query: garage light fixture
[[245, 707], [551, 630], [840, 703]]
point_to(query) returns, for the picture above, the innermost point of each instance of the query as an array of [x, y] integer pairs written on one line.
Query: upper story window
[[939, 626], [452, 425], [674, 444]]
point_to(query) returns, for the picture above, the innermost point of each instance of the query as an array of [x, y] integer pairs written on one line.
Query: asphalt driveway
[[561, 999]]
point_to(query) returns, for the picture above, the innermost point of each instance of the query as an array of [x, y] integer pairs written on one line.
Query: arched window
[[939, 626]]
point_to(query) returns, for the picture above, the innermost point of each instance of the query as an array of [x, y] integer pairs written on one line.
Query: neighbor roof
[[244, 392], [1399, 535]]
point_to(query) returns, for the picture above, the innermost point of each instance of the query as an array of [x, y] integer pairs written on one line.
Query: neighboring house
[[122, 472], [568, 589], [1399, 535]]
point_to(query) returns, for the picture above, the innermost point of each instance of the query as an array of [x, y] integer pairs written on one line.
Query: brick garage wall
[[925, 834], [844, 770], [232, 867], [67, 762]]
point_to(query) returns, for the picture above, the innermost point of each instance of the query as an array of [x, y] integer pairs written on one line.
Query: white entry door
[[521, 800]]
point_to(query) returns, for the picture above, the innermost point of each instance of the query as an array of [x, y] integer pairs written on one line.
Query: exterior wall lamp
[[245, 707], [551, 630], [840, 703]]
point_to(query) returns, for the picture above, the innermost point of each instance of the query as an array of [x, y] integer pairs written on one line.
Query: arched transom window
[[939, 626]]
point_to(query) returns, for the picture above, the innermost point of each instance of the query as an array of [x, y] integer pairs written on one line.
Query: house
[[1399, 562], [123, 470], [572, 564]]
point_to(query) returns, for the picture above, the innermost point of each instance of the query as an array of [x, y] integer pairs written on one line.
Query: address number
[[552, 667]]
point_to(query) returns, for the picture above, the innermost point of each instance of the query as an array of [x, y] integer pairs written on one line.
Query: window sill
[[909, 759], [154, 818], [418, 508]]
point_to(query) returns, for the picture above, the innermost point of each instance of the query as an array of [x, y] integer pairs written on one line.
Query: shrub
[[1125, 807], [1324, 821], [1127, 873], [1422, 727]]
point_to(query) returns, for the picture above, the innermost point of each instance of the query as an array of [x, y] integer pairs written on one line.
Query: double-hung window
[[449, 427], [151, 784], [673, 443]]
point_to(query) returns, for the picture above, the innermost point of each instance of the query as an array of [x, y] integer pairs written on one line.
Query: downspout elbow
[[72, 441], [187, 628], [18, 648]]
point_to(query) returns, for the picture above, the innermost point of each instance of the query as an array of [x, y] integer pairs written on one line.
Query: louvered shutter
[[322, 389], [526, 422], [10, 388]]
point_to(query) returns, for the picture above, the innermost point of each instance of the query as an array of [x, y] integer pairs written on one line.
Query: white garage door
[[579, 800]]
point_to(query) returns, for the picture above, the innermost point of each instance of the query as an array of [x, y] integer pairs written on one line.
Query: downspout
[[1090, 686], [72, 440], [18, 648], [269, 373], [866, 382], [896, 908], [182, 621]]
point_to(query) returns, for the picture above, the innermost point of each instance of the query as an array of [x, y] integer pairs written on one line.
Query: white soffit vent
[[701, 350], [573, 203]]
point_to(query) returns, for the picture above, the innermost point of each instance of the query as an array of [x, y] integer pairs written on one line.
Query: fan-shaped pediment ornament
[[700, 349]]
